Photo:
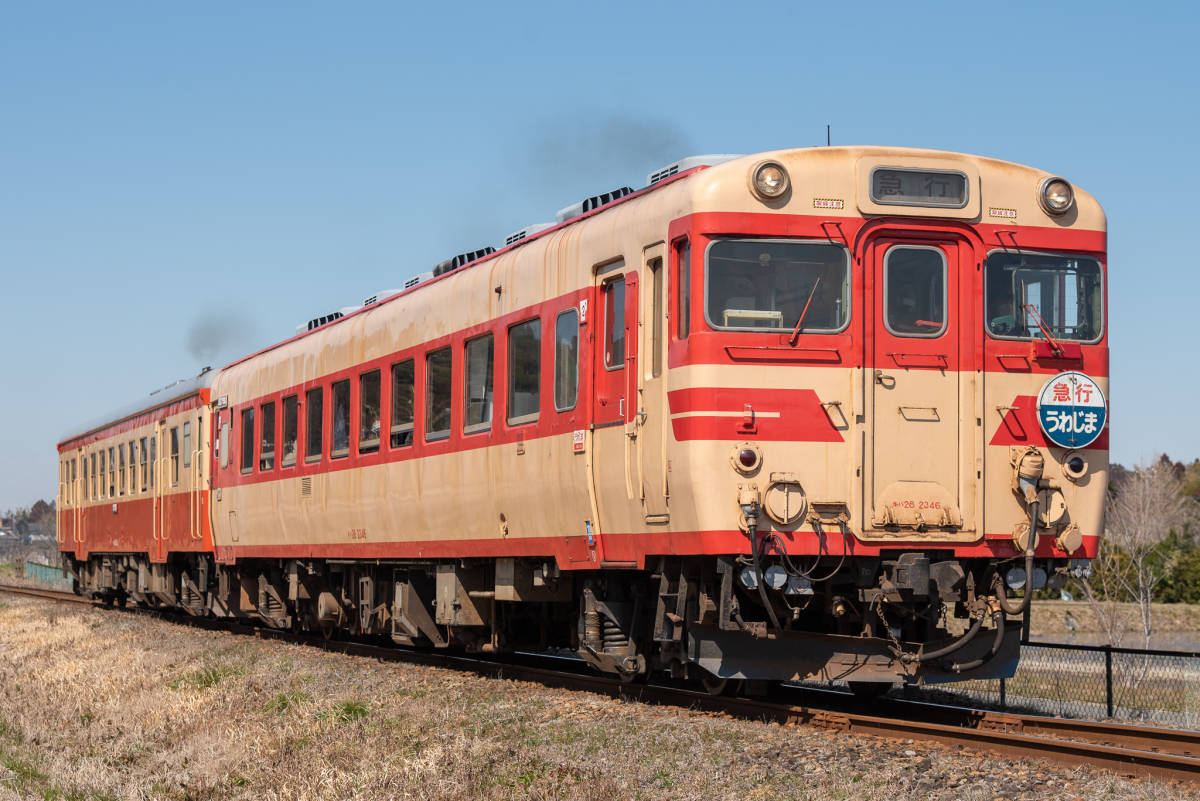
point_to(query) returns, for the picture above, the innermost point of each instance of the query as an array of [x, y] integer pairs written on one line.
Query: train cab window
[[477, 411], [291, 418], [247, 463], [438, 397], [121, 452], [143, 456], [314, 419], [566, 360], [175, 457], [683, 272], [524, 371], [368, 412], [614, 324], [187, 444], [153, 458], [339, 442], [1067, 292], [403, 396], [266, 445], [914, 291], [777, 286]]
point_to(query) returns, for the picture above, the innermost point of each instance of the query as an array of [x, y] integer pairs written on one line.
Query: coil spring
[[615, 640]]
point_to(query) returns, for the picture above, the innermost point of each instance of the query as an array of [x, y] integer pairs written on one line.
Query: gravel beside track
[[98, 705]]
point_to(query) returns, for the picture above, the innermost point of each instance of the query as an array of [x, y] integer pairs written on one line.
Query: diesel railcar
[[807, 414]]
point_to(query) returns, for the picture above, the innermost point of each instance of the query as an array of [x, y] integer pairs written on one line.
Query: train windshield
[[766, 285], [1066, 292]]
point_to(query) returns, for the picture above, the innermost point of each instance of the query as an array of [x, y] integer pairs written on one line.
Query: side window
[[153, 458], [524, 368], [291, 415], [437, 394], [403, 394], [187, 444], [112, 473], [133, 483], [477, 414], [103, 493], [247, 440], [266, 454], [683, 286], [914, 291], [339, 443], [566, 360], [175, 453], [368, 412], [656, 317], [121, 451], [143, 455], [93, 460], [222, 443], [314, 419], [84, 472], [614, 324]]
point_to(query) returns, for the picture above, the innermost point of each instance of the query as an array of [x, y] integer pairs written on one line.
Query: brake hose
[[762, 588]]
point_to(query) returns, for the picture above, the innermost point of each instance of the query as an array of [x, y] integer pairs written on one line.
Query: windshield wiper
[[804, 311]]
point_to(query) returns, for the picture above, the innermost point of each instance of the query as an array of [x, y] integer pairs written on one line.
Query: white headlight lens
[[1057, 195], [1015, 578], [775, 577], [770, 180], [749, 578]]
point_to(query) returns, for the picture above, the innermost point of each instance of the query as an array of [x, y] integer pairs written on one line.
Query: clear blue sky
[[164, 168]]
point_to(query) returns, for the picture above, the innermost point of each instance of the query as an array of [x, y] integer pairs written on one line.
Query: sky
[[182, 184]]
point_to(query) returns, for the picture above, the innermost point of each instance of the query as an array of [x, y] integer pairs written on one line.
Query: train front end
[[888, 394]]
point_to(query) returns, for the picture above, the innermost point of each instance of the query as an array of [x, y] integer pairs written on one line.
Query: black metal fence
[[1093, 681]]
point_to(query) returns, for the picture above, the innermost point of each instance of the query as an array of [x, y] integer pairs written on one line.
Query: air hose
[[998, 582], [758, 575]]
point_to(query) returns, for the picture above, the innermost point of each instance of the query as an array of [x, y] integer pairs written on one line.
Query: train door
[[614, 395], [80, 494], [920, 404], [651, 408]]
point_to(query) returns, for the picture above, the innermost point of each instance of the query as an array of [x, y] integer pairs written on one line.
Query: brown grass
[[106, 705]]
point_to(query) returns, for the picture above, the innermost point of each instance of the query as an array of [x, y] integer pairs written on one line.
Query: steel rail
[[1152, 752]]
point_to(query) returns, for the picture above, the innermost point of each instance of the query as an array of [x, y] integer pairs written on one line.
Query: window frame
[[887, 323], [264, 431], [311, 457], [605, 289], [484, 425], [441, 433], [368, 446], [409, 427], [574, 311], [283, 405], [1103, 326], [683, 289], [246, 457], [528, 417], [334, 451], [849, 312]]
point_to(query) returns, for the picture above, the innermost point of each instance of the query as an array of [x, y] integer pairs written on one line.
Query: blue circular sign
[[1072, 410]]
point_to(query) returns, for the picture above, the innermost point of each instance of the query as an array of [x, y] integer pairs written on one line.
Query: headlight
[[1056, 195], [769, 180]]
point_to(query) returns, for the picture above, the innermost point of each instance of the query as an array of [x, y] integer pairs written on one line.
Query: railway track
[[1158, 753]]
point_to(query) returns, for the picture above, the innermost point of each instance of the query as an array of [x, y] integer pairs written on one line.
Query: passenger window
[[187, 444], [524, 366], [614, 324], [403, 394], [121, 451], [247, 440], [477, 415], [112, 473], [339, 444], [566, 360], [133, 482], [94, 479], [437, 395], [84, 473], [314, 418], [153, 458], [683, 273], [143, 454], [291, 417], [914, 291], [175, 455], [102, 477], [656, 313], [266, 455], [368, 412], [222, 443]]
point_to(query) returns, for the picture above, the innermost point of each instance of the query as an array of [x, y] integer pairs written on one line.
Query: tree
[[1145, 506]]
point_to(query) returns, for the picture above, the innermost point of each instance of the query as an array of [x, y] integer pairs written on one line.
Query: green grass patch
[[205, 677], [346, 712], [287, 700]]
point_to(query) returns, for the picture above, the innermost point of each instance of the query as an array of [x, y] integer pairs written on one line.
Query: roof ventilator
[[381, 295], [324, 319], [527, 231], [462, 259], [685, 164], [416, 279], [591, 203]]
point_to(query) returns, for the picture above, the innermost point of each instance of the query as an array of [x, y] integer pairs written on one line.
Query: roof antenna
[[827, 135]]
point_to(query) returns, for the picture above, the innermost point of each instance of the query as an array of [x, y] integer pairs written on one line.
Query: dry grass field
[[108, 705]]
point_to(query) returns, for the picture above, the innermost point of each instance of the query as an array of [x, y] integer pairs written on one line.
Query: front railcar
[[888, 393]]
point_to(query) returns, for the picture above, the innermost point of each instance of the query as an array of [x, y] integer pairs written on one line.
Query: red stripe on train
[[728, 413]]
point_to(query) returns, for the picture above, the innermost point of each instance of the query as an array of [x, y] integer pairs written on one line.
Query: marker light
[[749, 578], [769, 180], [775, 577], [1015, 578], [1056, 195]]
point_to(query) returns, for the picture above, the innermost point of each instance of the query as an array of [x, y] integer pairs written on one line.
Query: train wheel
[[715, 685]]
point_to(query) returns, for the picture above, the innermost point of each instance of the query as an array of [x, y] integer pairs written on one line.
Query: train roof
[[163, 396]]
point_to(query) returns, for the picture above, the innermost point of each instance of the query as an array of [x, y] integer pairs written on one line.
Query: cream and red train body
[[842, 375]]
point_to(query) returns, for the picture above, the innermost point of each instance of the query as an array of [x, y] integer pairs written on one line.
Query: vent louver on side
[[528, 230], [683, 165], [382, 295], [593, 202], [462, 259], [416, 279]]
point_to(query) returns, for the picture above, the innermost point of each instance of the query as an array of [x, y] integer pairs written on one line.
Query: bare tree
[[1144, 506]]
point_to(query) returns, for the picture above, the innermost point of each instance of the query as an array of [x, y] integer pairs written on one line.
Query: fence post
[[1108, 679]]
